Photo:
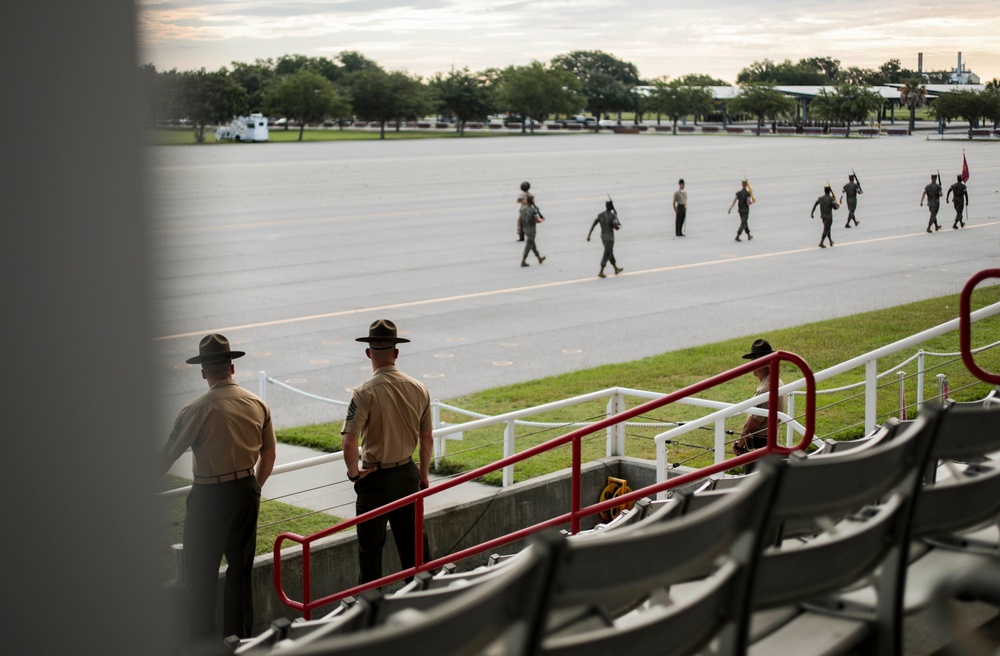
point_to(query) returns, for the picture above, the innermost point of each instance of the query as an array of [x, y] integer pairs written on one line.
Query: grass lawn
[[275, 517], [822, 344], [185, 136]]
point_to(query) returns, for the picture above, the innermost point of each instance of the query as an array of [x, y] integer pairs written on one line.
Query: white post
[[262, 384], [661, 468], [942, 393], [508, 450], [789, 432], [920, 379], [616, 433], [901, 377], [720, 440], [871, 395], [440, 441]]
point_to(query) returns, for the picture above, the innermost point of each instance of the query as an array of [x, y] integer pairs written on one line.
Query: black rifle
[[538, 211], [857, 180], [612, 204]]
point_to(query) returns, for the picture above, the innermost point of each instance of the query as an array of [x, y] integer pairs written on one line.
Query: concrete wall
[[451, 529]]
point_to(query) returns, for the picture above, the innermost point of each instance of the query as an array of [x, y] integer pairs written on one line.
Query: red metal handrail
[[965, 326], [576, 512]]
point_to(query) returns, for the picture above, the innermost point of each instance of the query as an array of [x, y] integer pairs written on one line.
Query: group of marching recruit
[[529, 215]]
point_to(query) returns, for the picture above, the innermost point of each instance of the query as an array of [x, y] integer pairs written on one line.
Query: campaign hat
[[214, 349], [382, 330], [759, 349]]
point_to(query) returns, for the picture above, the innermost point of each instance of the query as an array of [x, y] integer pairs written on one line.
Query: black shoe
[[936, 227], [600, 274], [738, 239], [541, 259], [523, 263], [749, 237], [962, 223], [822, 245], [929, 229], [618, 269], [848, 225]]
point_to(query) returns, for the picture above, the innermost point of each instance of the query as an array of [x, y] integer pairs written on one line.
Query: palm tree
[[913, 95]]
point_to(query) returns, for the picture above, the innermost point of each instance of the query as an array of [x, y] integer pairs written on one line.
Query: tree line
[[310, 90]]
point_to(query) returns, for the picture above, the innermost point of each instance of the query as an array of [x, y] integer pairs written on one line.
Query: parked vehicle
[[244, 128]]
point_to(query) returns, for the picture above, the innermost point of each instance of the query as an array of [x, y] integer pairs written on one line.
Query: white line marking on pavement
[[546, 285]]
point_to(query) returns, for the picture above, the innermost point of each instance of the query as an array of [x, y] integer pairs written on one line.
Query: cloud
[[660, 38]]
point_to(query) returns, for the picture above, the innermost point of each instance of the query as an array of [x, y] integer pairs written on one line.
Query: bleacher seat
[[798, 579], [506, 607], [955, 519], [348, 618], [603, 581]]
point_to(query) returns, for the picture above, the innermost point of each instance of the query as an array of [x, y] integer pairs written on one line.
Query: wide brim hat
[[382, 330], [214, 349], [759, 349]]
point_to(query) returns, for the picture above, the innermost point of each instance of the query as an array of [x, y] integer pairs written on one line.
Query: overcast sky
[[715, 37]]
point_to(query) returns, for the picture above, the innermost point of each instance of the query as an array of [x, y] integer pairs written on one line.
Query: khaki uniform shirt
[[681, 198], [388, 412], [226, 428], [782, 404]]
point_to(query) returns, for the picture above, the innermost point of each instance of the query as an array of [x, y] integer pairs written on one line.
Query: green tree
[[353, 62], [913, 95], [699, 80], [307, 97], [676, 100], [463, 94], [209, 98], [606, 82], [291, 64], [762, 101], [255, 78], [382, 97], [892, 72], [811, 71], [968, 105], [847, 103], [534, 92], [867, 77]]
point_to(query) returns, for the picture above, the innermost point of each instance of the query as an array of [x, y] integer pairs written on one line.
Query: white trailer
[[244, 128]]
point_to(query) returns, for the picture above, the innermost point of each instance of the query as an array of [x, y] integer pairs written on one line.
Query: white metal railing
[[615, 439]]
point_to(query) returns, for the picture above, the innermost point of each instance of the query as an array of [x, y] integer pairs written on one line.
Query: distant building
[[961, 75]]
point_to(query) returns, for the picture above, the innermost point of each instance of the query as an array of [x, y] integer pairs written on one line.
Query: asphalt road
[[291, 250]]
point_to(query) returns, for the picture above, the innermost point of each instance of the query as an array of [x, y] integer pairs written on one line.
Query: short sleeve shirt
[[851, 189], [743, 201], [226, 428], [826, 206], [958, 191], [527, 217], [681, 198], [388, 412], [933, 191], [608, 220]]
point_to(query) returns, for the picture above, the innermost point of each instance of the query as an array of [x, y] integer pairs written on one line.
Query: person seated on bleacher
[[754, 433]]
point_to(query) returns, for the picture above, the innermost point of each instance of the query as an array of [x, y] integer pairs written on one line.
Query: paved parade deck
[[291, 250]]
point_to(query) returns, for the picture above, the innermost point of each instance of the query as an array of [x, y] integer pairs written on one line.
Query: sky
[[661, 37]]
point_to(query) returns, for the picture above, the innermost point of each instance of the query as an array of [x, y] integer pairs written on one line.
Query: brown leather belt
[[388, 465], [223, 478]]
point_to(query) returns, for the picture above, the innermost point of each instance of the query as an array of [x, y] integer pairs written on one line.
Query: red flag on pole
[[965, 169]]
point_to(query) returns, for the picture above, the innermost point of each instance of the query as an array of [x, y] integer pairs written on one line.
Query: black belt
[[388, 465], [223, 478]]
